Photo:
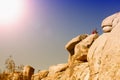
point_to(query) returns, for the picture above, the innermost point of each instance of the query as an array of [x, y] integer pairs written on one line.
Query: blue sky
[[51, 25]]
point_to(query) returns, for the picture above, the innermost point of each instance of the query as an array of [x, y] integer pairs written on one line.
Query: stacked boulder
[[78, 65]]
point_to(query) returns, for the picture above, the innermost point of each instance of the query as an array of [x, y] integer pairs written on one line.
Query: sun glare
[[11, 11]]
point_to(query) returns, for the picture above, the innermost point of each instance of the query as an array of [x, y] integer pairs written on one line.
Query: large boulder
[[95, 54], [71, 45], [81, 49], [104, 54]]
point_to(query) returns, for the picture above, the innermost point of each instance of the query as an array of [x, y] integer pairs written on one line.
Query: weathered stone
[[95, 54], [71, 44], [81, 49], [81, 72], [107, 29], [104, 54], [57, 68], [28, 72], [110, 60], [40, 75], [110, 22]]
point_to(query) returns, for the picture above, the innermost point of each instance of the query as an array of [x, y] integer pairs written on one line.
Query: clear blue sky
[[52, 24]]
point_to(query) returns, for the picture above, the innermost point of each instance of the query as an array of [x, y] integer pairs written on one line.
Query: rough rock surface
[[110, 22], [71, 45], [104, 54], [81, 49], [57, 68], [40, 75]]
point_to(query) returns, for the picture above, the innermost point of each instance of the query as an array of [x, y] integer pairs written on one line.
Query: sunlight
[[14, 17], [11, 11]]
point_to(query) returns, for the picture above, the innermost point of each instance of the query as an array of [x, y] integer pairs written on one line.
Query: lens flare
[[14, 16], [11, 11]]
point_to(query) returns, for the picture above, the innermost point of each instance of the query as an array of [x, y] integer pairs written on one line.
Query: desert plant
[[10, 64]]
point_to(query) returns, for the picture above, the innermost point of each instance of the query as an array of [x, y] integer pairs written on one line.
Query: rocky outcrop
[[91, 57], [81, 49], [77, 67], [71, 45], [104, 54]]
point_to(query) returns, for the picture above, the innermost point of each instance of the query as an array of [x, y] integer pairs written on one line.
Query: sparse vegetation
[[10, 64], [12, 72]]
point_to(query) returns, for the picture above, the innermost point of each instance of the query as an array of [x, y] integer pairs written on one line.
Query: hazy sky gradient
[[50, 24]]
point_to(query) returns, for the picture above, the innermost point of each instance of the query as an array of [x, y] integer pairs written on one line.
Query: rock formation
[[104, 54], [77, 67], [91, 57], [71, 45]]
